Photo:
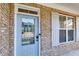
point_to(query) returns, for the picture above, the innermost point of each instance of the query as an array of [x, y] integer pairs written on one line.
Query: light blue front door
[[27, 39]]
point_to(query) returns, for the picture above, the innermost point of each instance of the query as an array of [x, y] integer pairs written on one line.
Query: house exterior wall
[[44, 27], [4, 29], [7, 37], [11, 30]]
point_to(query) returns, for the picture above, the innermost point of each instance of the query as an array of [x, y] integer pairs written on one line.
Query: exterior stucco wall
[[7, 37]]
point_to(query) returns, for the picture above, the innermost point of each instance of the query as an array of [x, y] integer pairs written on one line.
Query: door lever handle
[[40, 34]]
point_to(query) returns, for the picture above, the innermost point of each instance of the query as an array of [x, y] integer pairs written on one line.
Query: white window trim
[[67, 31], [63, 29], [77, 28]]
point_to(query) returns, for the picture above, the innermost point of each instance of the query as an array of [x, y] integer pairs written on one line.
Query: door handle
[[39, 34], [37, 37]]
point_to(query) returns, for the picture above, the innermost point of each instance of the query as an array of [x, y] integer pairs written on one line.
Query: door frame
[[16, 6]]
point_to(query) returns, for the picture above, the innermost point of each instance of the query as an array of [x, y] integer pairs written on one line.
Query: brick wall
[[46, 37], [11, 30], [4, 29], [45, 24], [45, 15], [7, 32]]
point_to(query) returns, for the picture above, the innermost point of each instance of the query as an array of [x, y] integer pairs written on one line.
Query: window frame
[[67, 29]]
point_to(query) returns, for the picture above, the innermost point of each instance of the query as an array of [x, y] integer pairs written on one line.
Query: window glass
[[62, 36], [70, 35], [27, 11], [62, 21], [28, 29], [70, 23]]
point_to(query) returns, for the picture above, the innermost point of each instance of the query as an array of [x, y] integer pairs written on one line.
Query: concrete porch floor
[[72, 53]]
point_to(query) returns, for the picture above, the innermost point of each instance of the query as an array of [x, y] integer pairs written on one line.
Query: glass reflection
[[70, 23], [62, 21], [28, 28]]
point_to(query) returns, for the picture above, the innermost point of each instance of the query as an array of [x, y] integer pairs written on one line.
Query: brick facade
[[4, 29], [11, 30], [7, 32]]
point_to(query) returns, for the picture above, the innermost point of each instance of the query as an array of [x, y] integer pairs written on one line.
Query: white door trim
[[15, 18]]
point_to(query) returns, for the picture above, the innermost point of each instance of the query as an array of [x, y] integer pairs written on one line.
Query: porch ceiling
[[73, 6], [69, 7]]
